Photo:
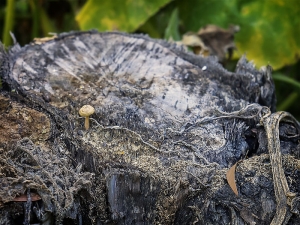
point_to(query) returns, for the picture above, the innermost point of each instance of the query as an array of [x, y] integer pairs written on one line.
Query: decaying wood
[[167, 127]]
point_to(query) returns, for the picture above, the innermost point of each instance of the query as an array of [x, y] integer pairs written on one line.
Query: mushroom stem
[[87, 123], [85, 112]]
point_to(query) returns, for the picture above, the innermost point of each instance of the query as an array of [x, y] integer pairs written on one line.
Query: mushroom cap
[[86, 110]]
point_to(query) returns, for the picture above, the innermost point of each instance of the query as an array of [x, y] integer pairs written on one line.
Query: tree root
[[285, 199]]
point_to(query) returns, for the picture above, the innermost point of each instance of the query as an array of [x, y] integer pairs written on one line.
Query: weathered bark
[[167, 127]]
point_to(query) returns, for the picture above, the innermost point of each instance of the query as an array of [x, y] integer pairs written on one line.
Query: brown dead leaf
[[23, 197], [231, 178], [212, 40], [193, 40]]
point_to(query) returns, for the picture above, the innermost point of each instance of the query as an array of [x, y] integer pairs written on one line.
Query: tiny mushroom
[[86, 111]]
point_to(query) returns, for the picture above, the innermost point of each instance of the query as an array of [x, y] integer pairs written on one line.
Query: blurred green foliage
[[269, 30], [124, 15]]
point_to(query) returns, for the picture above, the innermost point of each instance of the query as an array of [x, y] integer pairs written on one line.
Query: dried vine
[[284, 197]]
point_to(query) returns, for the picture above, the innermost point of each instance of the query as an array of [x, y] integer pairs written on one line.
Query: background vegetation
[[269, 30]]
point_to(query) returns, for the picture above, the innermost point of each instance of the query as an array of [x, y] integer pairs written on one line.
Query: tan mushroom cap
[[86, 110]]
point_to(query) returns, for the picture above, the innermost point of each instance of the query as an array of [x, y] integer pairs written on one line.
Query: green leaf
[[200, 13], [269, 30], [289, 101], [286, 79], [46, 23], [9, 19], [171, 32], [124, 15], [35, 18], [40, 20], [156, 25]]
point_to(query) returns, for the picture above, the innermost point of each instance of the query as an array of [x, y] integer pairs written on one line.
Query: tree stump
[[167, 127]]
